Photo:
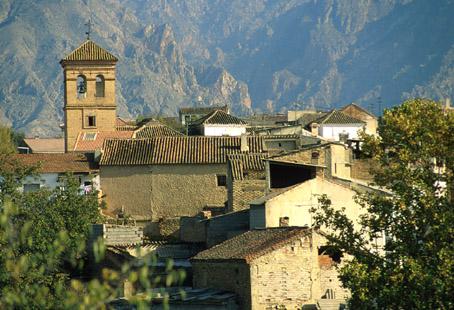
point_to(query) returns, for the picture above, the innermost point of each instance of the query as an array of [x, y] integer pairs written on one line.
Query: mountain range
[[256, 56]]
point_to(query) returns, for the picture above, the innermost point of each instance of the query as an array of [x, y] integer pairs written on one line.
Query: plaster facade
[[223, 130], [155, 192], [332, 131], [296, 202]]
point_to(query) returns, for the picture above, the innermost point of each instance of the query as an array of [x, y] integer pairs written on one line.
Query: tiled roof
[[46, 145], [89, 51], [86, 144], [337, 117], [58, 163], [219, 117], [252, 244], [357, 107], [308, 118], [203, 110], [239, 163], [175, 150], [155, 130]]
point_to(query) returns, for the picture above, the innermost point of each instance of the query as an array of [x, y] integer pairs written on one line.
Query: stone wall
[[228, 276], [361, 169], [162, 191], [245, 191], [284, 277], [223, 227]]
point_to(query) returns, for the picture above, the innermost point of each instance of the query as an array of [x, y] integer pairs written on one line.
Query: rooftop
[[203, 110], [175, 150], [357, 106], [239, 163], [252, 244], [219, 117], [46, 145], [151, 130], [337, 117], [58, 163], [92, 141], [89, 51]]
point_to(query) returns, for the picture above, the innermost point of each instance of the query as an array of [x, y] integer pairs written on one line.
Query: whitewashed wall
[[224, 130], [51, 180], [332, 132]]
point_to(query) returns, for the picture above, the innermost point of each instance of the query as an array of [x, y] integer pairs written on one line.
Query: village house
[[51, 168], [362, 114], [218, 123], [275, 268], [246, 179], [190, 114], [336, 126]]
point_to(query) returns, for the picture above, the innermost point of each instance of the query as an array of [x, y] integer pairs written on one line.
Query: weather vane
[[88, 24]]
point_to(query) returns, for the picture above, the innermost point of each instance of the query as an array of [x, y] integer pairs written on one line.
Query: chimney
[[314, 129], [244, 147]]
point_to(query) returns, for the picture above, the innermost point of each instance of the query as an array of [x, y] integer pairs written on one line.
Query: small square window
[[221, 179], [91, 121]]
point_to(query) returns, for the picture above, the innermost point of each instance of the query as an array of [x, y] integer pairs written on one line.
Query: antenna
[[88, 24]]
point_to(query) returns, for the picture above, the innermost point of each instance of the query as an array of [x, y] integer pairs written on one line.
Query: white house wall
[[51, 180], [331, 132], [218, 130]]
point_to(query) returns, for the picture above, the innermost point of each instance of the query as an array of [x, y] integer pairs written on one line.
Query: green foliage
[[42, 234], [7, 145], [412, 157]]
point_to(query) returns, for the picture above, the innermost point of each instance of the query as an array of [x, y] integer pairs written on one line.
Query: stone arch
[[81, 86], [100, 86]]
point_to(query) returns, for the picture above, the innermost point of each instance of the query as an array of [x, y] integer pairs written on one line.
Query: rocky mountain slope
[[254, 55]]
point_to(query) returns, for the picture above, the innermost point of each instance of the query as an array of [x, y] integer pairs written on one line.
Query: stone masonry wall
[[230, 276], [284, 277], [244, 191]]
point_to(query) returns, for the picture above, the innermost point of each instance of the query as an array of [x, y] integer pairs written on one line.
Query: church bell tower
[[89, 82]]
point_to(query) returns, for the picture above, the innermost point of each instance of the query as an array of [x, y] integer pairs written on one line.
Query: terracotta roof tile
[[219, 117], [155, 130], [175, 150], [337, 117], [252, 244], [239, 163], [203, 110], [58, 163], [46, 145], [89, 51], [89, 142]]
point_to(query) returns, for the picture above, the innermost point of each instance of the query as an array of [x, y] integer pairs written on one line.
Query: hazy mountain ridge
[[268, 55]]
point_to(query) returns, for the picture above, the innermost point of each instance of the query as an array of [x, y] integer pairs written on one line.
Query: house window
[[221, 180], [100, 86], [91, 121], [31, 187]]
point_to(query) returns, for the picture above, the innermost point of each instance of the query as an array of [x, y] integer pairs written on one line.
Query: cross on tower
[[88, 24]]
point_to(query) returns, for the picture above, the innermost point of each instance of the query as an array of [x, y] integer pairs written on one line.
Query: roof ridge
[[89, 51], [211, 116]]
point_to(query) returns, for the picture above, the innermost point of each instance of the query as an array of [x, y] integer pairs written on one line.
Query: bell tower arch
[[89, 91]]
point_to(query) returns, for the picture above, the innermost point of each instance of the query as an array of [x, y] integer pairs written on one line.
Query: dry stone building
[[278, 268]]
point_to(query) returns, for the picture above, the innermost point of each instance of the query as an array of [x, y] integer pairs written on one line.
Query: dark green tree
[[413, 159]]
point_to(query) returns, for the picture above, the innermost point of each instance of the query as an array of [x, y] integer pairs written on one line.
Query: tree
[[7, 145], [414, 160], [41, 233]]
